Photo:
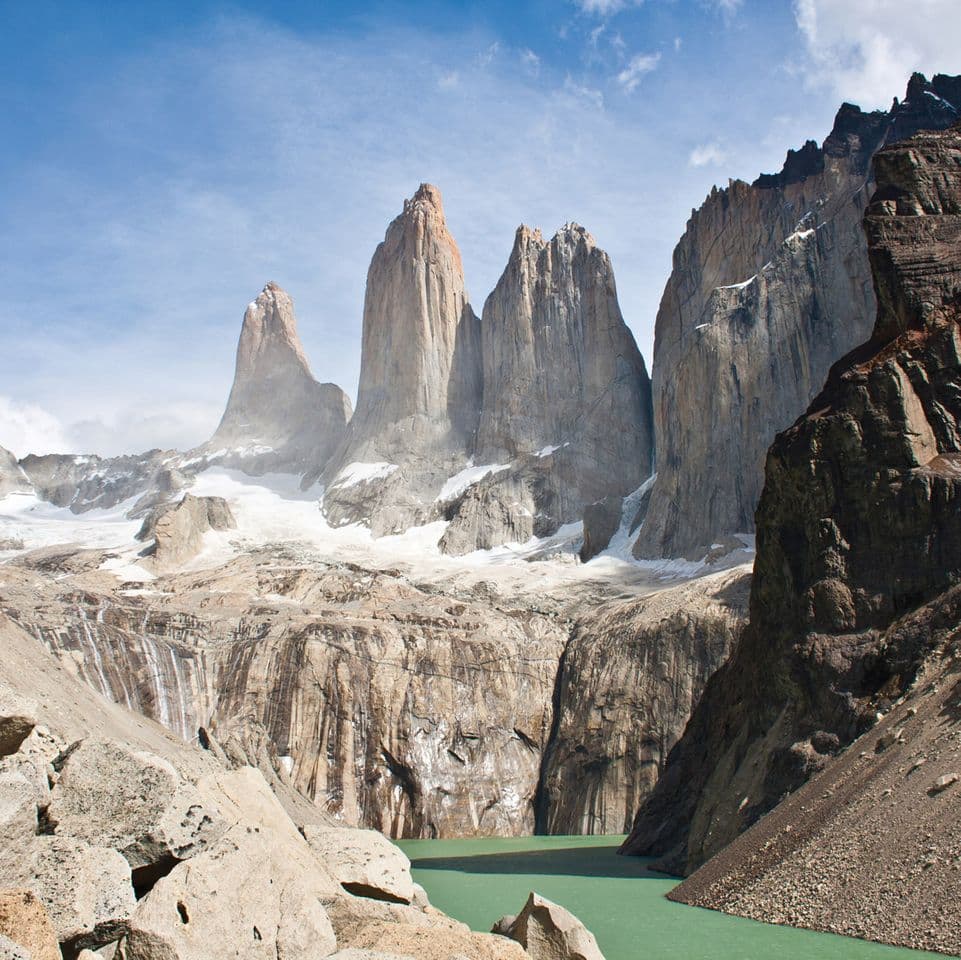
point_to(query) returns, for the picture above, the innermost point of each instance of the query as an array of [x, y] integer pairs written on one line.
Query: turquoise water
[[478, 881]]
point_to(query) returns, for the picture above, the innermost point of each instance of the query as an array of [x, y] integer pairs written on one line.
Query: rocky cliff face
[[566, 394], [627, 683], [278, 417], [12, 478], [420, 380], [770, 285], [859, 524]]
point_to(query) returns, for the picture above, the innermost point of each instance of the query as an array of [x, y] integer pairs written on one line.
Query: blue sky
[[162, 161]]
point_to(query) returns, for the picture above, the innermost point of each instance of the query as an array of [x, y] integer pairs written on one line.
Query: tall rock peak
[[420, 377], [278, 416]]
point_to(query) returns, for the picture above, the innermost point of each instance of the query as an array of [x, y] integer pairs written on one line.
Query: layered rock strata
[[770, 285], [859, 525], [278, 417]]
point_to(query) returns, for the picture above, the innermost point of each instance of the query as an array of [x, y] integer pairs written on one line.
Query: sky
[[161, 161]]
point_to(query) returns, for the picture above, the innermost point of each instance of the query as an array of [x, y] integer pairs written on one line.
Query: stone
[[86, 889], [110, 795], [547, 931], [18, 811], [943, 782], [352, 953], [363, 862], [426, 943], [17, 720], [177, 530], [25, 921], [278, 417], [770, 286], [13, 951], [601, 521]]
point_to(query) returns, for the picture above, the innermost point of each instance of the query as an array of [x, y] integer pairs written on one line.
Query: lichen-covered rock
[[770, 286], [547, 931], [138, 804], [25, 921], [86, 889], [859, 524]]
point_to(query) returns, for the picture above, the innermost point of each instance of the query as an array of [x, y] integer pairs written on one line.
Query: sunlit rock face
[[770, 286], [278, 417], [859, 536]]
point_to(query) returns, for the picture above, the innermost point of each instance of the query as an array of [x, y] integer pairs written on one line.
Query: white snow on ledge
[[467, 477], [738, 286], [358, 472]]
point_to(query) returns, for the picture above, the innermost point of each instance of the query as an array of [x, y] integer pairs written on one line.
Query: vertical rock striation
[[420, 378], [859, 525], [566, 394], [770, 285], [278, 416]]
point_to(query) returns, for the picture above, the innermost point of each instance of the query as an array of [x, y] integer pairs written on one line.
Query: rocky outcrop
[[278, 417], [628, 682], [12, 477], [420, 378], [859, 524], [549, 932], [566, 392], [870, 847], [770, 285], [177, 530], [251, 886]]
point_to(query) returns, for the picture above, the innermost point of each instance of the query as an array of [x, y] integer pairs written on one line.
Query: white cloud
[[708, 154], [677, 43], [727, 7], [603, 8], [865, 50], [27, 428], [531, 61], [639, 65]]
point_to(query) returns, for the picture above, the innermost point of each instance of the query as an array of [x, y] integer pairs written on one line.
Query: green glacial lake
[[478, 881]]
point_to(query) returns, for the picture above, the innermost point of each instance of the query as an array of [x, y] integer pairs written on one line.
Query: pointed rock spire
[[277, 412]]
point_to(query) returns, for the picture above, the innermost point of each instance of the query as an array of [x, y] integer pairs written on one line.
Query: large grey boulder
[[601, 521], [363, 862], [18, 812], [547, 931], [110, 795]]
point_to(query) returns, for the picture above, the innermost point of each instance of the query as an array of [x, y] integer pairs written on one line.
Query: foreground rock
[[859, 527], [549, 932], [770, 286], [26, 924], [278, 417]]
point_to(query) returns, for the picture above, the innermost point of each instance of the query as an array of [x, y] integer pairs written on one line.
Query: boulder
[[241, 898], [18, 811], [86, 890], [430, 943], [113, 796], [33, 761], [364, 862], [25, 921], [547, 931], [601, 521], [18, 716], [13, 951], [178, 529]]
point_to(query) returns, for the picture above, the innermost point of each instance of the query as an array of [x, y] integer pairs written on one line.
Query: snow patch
[[358, 472], [466, 478], [738, 286]]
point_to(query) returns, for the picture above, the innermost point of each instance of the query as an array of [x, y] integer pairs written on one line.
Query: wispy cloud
[[708, 154], [604, 8], [864, 50], [638, 66], [530, 61], [28, 428]]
